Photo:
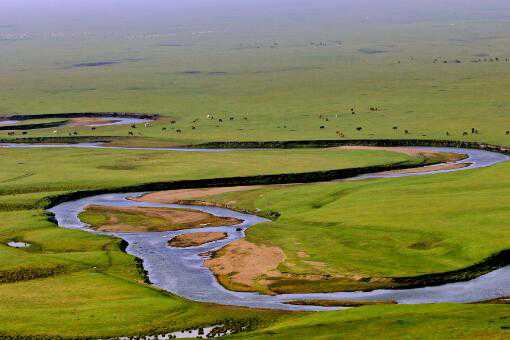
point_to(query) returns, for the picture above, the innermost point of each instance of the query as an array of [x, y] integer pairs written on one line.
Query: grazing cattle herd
[[323, 118]]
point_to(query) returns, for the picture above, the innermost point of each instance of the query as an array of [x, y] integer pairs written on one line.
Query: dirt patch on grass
[[195, 239], [173, 196], [429, 168], [138, 219], [90, 121], [243, 264], [505, 300]]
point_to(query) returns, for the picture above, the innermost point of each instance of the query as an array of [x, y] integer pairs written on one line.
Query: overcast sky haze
[[153, 15]]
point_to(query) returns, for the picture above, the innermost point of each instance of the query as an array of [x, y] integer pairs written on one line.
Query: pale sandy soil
[[431, 168], [176, 219], [195, 239], [244, 262], [172, 196]]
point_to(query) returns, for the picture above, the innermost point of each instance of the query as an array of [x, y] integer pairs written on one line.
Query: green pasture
[[384, 227], [436, 321], [27, 172], [282, 90], [266, 80], [75, 283], [40, 292]]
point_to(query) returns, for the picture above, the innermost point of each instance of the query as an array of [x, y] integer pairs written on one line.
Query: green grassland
[[75, 283], [26, 172], [282, 90], [382, 228], [113, 300], [436, 321]]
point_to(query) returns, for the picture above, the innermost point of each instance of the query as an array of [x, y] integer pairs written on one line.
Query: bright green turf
[[439, 321], [275, 87], [388, 227], [93, 265], [462, 216], [103, 301], [28, 171], [97, 289]]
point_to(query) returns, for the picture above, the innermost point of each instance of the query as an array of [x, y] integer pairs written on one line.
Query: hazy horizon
[[157, 15]]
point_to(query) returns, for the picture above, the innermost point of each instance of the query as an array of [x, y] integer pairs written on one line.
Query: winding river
[[114, 121], [180, 270]]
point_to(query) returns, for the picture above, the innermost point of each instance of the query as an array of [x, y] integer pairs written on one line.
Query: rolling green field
[[28, 174], [108, 280], [373, 229], [281, 89], [268, 73], [400, 322], [74, 283]]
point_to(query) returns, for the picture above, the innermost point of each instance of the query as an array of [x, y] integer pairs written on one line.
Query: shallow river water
[[115, 121]]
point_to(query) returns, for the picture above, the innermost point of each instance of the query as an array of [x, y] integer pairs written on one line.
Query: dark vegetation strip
[[290, 178], [338, 303], [96, 64], [351, 142], [60, 140], [24, 274], [296, 144], [34, 126], [485, 266]]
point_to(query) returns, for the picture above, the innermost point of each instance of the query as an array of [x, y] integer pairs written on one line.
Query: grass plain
[[352, 231], [282, 89], [39, 285], [428, 77]]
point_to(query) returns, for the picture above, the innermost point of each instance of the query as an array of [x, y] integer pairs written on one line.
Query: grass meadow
[[300, 77], [281, 89], [73, 283], [381, 228]]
